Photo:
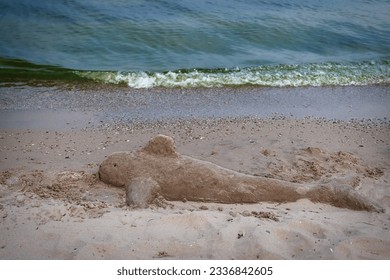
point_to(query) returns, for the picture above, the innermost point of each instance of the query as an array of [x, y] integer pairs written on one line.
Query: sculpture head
[[120, 168], [116, 169]]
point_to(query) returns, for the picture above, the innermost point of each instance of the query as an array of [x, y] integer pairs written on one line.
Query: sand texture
[[211, 196]]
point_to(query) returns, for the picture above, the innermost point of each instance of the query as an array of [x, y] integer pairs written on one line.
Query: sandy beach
[[53, 205]]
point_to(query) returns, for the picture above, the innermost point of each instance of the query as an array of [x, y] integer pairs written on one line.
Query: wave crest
[[324, 74]]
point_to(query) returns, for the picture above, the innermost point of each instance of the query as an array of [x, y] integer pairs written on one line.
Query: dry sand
[[53, 206]]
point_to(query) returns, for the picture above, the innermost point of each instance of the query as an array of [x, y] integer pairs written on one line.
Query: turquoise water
[[184, 43]]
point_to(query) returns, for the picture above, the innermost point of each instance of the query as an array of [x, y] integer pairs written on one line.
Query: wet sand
[[53, 205]]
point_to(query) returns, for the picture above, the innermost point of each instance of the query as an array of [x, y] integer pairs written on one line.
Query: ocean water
[[187, 43]]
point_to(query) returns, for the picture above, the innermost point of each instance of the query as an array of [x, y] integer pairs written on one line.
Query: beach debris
[[265, 215], [162, 254], [241, 234]]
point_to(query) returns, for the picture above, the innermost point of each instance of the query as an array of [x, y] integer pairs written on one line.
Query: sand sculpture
[[158, 170]]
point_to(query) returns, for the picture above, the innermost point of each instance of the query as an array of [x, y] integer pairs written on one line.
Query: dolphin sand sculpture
[[159, 170]]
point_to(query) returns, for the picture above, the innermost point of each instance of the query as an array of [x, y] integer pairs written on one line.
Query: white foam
[[326, 74]]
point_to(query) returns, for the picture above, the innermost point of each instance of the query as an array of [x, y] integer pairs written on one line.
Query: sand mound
[[84, 195], [313, 164]]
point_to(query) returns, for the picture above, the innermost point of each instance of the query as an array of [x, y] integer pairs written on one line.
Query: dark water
[[191, 43]]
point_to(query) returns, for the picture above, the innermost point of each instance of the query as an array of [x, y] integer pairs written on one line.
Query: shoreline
[[49, 191], [35, 107]]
